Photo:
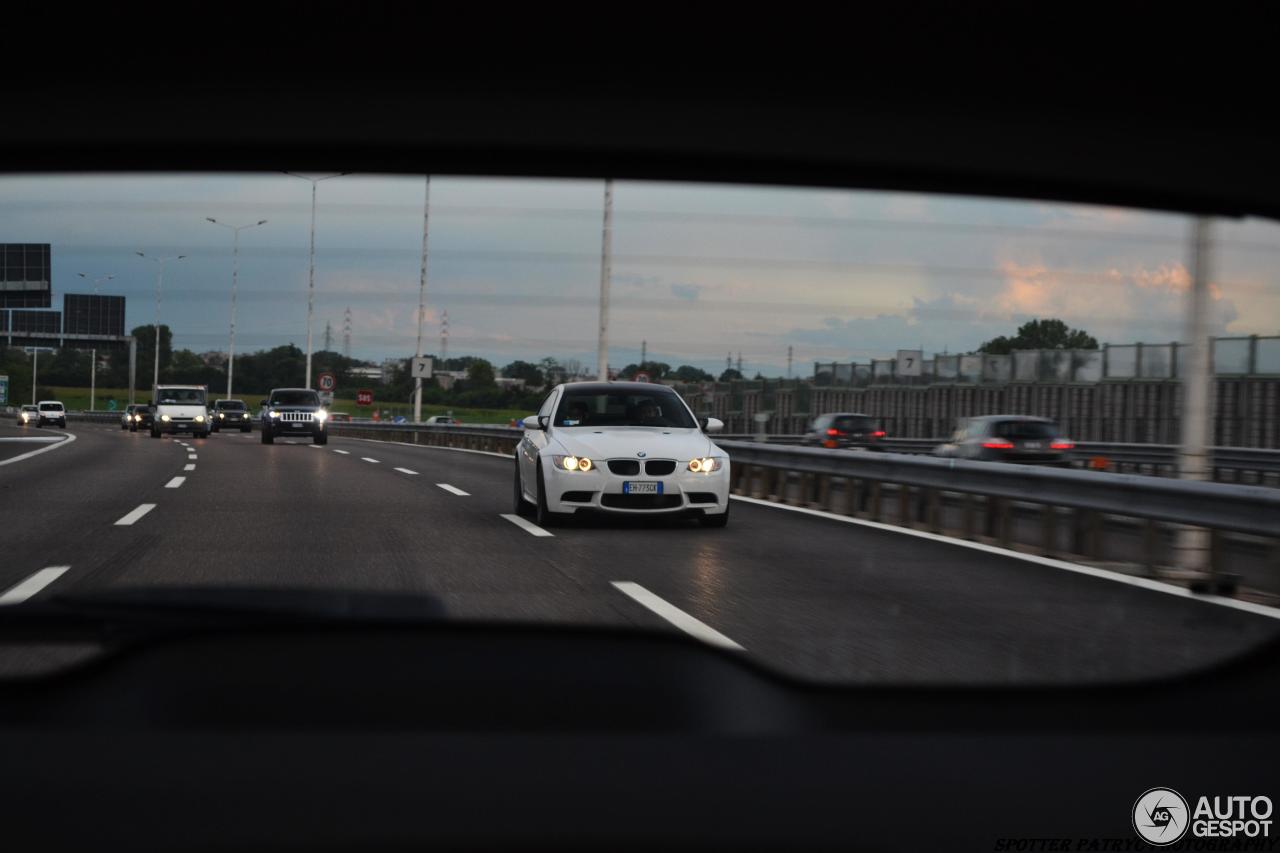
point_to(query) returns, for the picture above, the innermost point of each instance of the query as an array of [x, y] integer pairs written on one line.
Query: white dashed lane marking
[[136, 514], [526, 525], [675, 615], [33, 584]]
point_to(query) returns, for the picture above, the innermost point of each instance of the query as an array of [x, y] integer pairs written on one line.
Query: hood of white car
[[630, 442]]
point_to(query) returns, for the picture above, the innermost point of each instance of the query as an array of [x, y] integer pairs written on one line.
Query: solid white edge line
[[190, 466], [1104, 574], [454, 490], [34, 439], [175, 482], [691, 626], [526, 525], [407, 471], [343, 452], [436, 447], [29, 587], [135, 514], [70, 437]]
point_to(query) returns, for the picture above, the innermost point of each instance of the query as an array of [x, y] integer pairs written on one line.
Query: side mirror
[[711, 424], [533, 422]]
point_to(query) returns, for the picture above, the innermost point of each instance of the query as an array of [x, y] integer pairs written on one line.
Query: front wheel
[[155, 432], [521, 505], [718, 520], [267, 437], [321, 438]]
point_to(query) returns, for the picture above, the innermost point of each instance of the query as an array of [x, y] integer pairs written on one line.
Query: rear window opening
[[1024, 430]]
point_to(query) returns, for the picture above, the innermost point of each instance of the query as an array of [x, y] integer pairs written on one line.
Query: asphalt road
[[809, 595]]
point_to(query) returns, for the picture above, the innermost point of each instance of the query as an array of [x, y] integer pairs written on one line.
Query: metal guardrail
[[1244, 509], [1230, 464]]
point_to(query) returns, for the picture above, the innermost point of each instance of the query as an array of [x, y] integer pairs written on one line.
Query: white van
[[180, 408], [51, 412]]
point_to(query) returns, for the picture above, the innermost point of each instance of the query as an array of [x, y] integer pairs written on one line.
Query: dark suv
[[1009, 438], [294, 411], [232, 414], [843, 430]]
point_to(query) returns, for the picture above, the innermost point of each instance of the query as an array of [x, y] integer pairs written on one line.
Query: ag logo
[[641, 454], [1160, 816]]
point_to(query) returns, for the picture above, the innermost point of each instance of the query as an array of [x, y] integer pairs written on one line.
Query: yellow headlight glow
[[584, 464]]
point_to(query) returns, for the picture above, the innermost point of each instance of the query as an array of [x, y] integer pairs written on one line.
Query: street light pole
[[93, 375], [311, 276], [35, 361], [422, 299], [235, 274], [159, 284]]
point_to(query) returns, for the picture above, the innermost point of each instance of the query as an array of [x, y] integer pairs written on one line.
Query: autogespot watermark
[[1164, 819]]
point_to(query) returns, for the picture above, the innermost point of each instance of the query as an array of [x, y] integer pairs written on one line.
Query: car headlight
[[222, 416], [164, 417], [245, 416], [573, 463], [273, 413], [321, 415], [705, 465], [199, 419]]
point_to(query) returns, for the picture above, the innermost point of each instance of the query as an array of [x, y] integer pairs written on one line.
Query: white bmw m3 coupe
[[628, 448]]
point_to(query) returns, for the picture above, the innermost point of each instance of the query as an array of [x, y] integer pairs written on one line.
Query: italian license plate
[[300, 425], [1032, 445], [642, 488]]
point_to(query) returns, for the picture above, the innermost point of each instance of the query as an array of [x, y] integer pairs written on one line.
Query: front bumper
[[600, 490], [282, 428]]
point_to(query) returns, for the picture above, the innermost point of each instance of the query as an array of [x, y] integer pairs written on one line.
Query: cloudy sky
[[699, 271]]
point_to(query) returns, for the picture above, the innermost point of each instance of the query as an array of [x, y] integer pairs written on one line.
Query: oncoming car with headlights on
[[630, 448], [294, 411]]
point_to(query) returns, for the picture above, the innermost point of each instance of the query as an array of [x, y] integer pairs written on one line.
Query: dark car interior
[[394, 730]]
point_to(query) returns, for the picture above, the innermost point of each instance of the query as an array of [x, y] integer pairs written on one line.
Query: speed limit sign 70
[[328, 382]]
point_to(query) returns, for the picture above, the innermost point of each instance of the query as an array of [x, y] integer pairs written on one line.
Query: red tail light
[[1062, 444], [998, 445], [878, 434], [833, 431]]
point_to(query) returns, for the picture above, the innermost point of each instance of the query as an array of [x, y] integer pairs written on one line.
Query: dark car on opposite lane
[[1009, 438], [294, 411], [842, 430]]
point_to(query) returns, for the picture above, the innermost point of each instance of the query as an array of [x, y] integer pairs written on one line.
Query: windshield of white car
[[614, 409], [51, 407], [182, 397]]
